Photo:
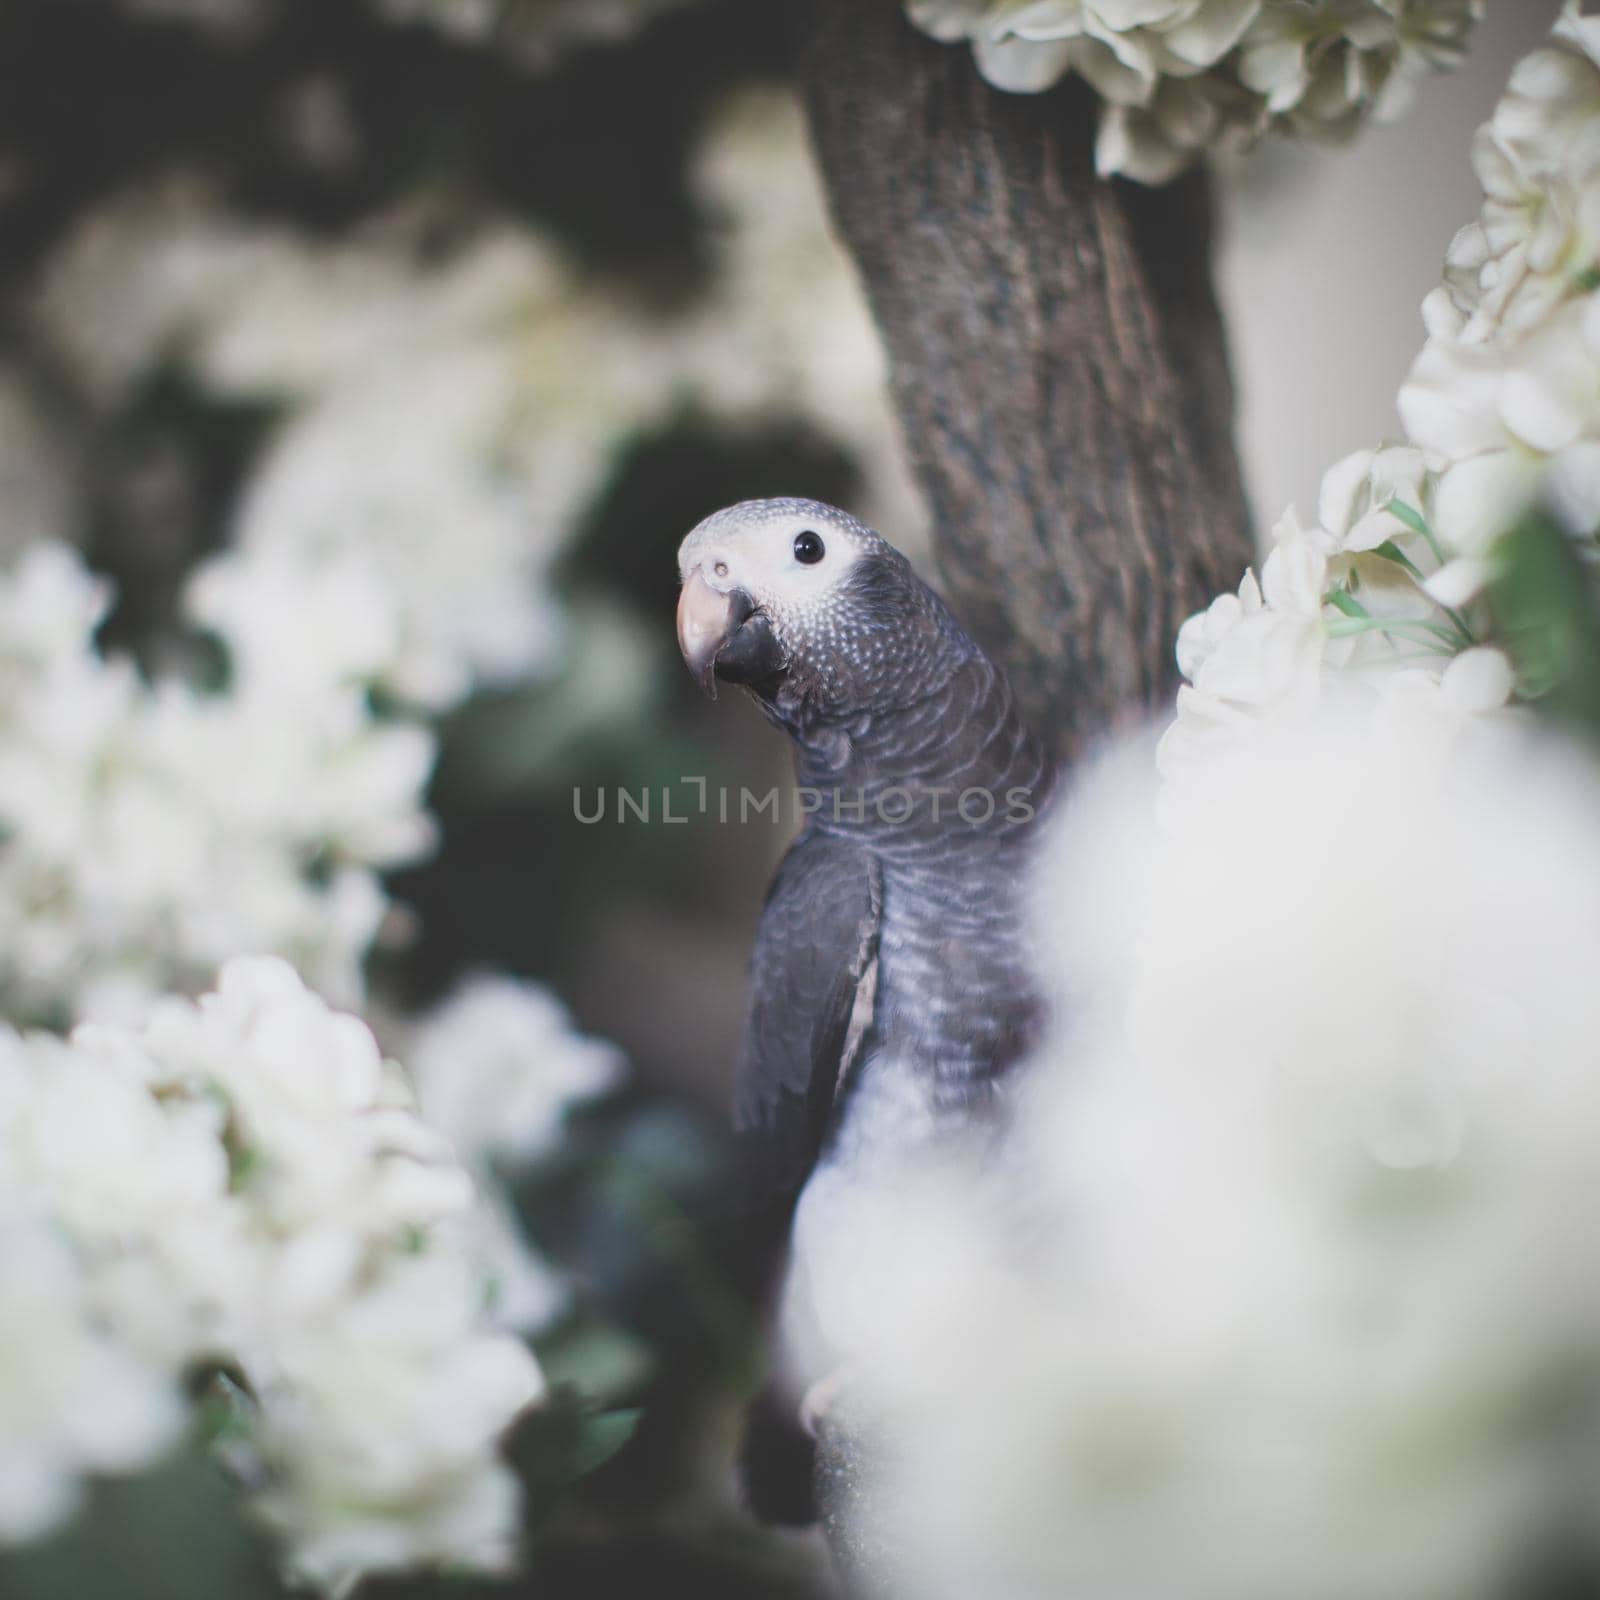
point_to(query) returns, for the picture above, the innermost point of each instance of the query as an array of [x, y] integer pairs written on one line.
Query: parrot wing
[[811, 989]]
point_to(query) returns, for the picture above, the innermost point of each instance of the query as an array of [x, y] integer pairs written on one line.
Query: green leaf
[[1414, 629], [1390, 551], [601, 1360], [603, 1436], [1418, 524], [1412, 518], [1547, 615], [562, 1441]]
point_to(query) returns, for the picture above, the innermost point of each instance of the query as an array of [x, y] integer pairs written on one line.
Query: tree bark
[[1059, 366], [1057, 360]]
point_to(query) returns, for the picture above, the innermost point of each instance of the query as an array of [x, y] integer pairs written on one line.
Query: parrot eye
[[808, 548]]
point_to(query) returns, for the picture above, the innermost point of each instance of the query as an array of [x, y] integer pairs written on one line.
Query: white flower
[[49, 604], [1180, 77], [375, 1359], [1539, 162], [948, 20], [526, 1293], [332, 1136], [1153, 143], [356, 491], [1501, 410], [1504, 400], [147, 833], [73, 1403], [1496, 418], [118, 1162], [1357, 493], [1254, 654], [246, 1181], [1322, 68], [381, 1423], [411, 388], [497, 1066]]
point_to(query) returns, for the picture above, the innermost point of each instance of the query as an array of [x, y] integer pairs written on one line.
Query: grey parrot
[[889, 988]]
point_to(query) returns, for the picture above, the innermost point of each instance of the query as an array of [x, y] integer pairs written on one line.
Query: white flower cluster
[[149, 833], [1502, 407], [389, 535], [1505, 399], [1180, 77], [246, 1183], [496, 1067]]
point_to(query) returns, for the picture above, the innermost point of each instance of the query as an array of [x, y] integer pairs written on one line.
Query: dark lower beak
[[723, 635]]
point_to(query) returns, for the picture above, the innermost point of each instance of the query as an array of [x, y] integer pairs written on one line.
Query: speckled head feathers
[[843, 603]]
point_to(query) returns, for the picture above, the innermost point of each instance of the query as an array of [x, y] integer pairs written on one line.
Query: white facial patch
[[761, 547]]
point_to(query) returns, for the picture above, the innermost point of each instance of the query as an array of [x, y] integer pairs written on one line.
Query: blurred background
[[489, 301]]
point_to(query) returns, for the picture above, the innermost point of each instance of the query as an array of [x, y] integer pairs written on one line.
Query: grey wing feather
[[810, 985]]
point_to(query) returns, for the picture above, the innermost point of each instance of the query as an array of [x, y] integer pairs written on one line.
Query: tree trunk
[[1061, 375], [1057, 359]]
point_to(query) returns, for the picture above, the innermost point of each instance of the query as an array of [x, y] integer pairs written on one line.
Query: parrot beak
[[707, 622]]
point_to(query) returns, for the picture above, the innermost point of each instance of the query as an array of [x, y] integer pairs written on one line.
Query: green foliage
[[176, 1533], [565, 1440], [1546, 605]]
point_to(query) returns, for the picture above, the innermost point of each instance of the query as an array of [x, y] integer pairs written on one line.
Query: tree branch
[[1057, 359]]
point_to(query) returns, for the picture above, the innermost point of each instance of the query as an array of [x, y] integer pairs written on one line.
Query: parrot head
[[778, 588]]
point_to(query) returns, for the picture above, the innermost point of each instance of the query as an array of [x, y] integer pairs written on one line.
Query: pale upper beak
[[707, 620]]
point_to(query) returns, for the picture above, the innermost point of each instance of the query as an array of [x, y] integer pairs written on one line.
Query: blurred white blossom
[[497, 1065], [1504, 400], [246, 1182], [388, 522], [148, 833], [1180, 77], [73, 1402], [1278, 1283], [380, 1423], [1502, 409]]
